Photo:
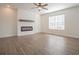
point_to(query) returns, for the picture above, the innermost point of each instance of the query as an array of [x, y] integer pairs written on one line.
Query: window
[[57, 22]]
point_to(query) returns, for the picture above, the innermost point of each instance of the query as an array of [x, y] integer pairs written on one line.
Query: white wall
[[7, 22], [71, 22], [28, 15], [10, 25]]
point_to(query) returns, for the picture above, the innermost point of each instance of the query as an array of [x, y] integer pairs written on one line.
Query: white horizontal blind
[[57, 22]]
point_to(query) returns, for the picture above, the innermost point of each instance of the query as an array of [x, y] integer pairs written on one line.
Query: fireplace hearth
[[26, 28]]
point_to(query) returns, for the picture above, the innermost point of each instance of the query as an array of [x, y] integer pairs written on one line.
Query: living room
[[32, 29]]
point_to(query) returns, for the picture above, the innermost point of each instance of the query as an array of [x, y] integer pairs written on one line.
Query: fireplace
[[26, 28]]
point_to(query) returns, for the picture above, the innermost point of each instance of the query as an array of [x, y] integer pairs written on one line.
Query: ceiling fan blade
[[36, 7], [35, 4], [45, 5]]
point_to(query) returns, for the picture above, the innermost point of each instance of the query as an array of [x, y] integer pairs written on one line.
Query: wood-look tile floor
[[39, 44]]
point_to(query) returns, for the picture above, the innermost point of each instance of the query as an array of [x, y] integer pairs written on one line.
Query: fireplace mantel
[[24, 20]]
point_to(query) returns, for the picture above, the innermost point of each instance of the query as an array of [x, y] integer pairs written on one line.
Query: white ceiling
[[51, 6]]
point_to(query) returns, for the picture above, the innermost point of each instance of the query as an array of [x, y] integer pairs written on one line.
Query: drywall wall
[[28, 15], [8, 18], [71, 22]]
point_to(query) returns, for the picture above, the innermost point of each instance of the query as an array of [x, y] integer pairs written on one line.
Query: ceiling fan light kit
[[40, 6]]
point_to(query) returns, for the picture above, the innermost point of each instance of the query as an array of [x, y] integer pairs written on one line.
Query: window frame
[[53, 26]]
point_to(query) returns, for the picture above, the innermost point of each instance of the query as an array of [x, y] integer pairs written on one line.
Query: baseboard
[[8, 36], [28, 34], [70, 36]]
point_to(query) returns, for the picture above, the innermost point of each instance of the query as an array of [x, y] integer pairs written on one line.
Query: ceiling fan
[[41, 6]]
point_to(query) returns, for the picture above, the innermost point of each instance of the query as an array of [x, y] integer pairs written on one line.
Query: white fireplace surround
[[26, 18], [25, 24]]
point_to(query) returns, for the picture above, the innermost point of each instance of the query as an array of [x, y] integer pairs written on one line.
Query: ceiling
[[51, 6]]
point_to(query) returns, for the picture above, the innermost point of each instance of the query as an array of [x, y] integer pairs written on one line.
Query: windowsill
[[56, 30]]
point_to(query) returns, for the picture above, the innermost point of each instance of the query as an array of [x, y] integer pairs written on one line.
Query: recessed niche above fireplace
[[24, 20], [26, 28]]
